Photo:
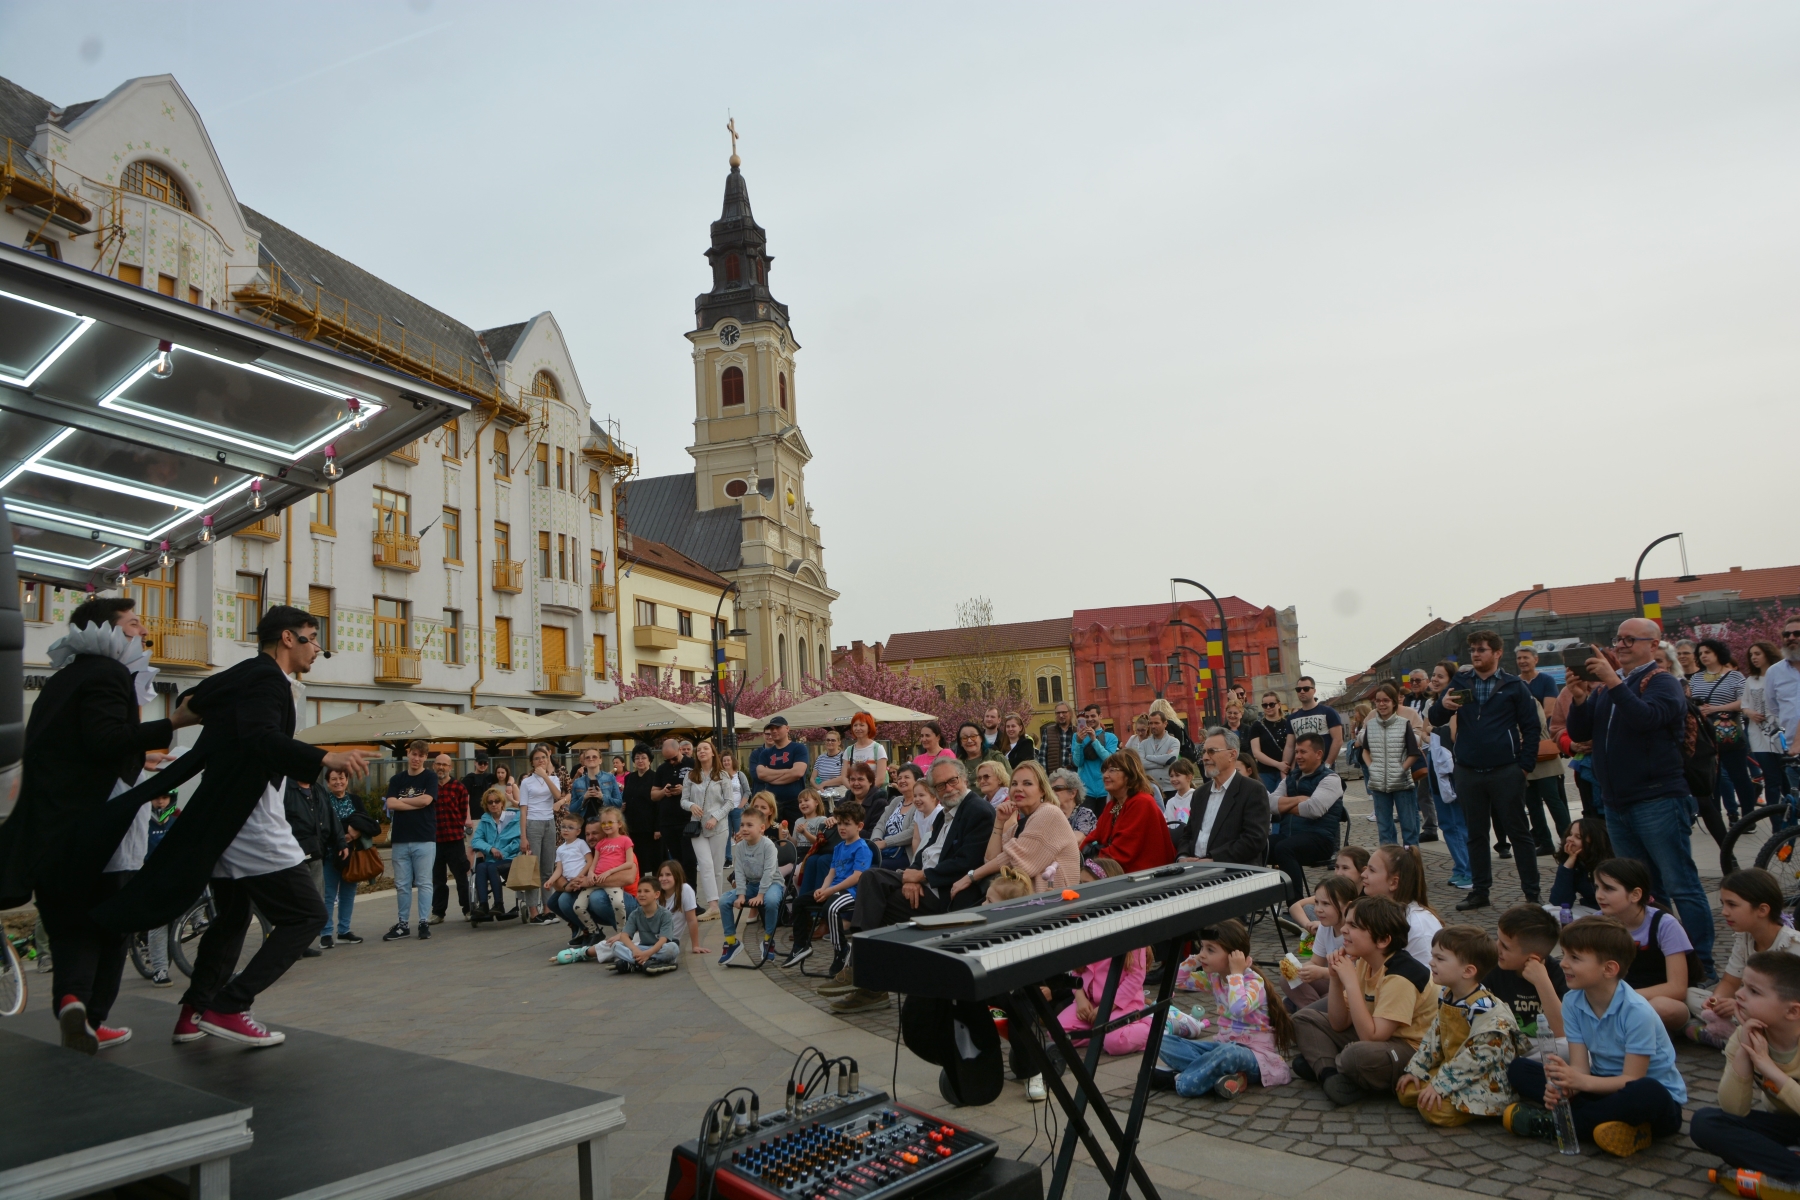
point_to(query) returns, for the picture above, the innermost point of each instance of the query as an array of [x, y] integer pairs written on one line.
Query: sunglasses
[[1270, 704], [1303, 689], [1790, 635]]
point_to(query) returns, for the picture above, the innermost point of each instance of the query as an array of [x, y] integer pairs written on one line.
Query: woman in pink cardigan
[[1030, 834]]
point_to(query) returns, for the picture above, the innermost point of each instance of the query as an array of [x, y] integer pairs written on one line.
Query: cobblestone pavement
[[1377, 1134]]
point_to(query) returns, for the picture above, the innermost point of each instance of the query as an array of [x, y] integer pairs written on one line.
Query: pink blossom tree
[[1765, 626]]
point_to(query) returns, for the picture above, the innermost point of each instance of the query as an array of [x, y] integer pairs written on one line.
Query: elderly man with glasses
[[1782, 694], [1637, 722]]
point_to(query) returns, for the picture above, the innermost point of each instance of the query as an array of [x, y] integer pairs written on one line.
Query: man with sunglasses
[[1782, 692], [1636, 718], [1314, 716]]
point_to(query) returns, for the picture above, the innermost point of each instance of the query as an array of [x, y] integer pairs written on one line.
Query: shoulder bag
[[523, 875], [362, 865]]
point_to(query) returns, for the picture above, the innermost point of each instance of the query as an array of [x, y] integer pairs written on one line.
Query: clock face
[[729, 334]]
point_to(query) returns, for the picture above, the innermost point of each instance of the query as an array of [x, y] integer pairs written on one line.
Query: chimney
[[1734, 570]]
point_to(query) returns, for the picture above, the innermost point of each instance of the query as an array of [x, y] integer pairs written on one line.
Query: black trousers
[[880, 902], [675, 844], [452, 858], [292, 905], [87, 960], [1291, 853], [1756, 1141], [1640, 1102], [1497, 796]]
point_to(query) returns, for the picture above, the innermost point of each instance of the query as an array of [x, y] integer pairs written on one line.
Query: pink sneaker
[[187, 1025], [110, 1036], [77, 1034], [238, 1027]]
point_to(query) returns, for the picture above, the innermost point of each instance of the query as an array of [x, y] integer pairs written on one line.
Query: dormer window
[[732, 273], [147, 179], [731, 387]]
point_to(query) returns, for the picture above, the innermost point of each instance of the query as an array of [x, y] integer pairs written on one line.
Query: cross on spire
[[731, 127]]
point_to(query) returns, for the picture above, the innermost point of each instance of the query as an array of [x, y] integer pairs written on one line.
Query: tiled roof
[[501, 339], [946, 643], [1158, 614], [1764, 583], [21, 112], [665, 558], [662, 509]]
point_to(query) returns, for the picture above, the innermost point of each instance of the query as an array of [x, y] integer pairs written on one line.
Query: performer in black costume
[[84, 737]]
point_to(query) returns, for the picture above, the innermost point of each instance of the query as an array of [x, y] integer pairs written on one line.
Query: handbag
[[1728, 731], [691, 829], [361, 866], [523, 875], [1548, 749]]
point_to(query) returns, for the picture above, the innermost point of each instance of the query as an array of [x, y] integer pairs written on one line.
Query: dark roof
[[502, 338], [736, 234], [667, 558], [308, 264], [987, 639], [1758, 583], [21, 112], [662, 509], [75, 110]]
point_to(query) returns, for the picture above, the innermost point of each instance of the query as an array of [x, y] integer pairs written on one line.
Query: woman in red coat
[[1131, 831]]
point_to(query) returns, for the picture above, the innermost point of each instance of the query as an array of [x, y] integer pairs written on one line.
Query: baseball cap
[[774, 721]]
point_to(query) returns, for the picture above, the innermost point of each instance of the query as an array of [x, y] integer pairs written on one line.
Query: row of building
[[514, 556]]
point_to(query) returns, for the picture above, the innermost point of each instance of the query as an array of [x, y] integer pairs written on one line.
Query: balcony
[[560, 681], [268, 529], [509, 575], [653, 637], [734, 650], [603, 597], [175, 643], [397, 666], [408, 453], [395, 551]]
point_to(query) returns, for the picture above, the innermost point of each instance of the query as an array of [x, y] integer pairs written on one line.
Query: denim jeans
[[771, 908], [1774, 775], [1386, 804], [490, 880], [1456, 837], [1423, 796], [340, 900], [736, 815], [1270, 779], [621, 952], [563, 905], [1734, 788], [1657, 832], [412, 868], [1199, 1066]]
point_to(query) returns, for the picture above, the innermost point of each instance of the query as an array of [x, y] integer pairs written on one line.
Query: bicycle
[[1783, 816], [12, 978], [191, 926]]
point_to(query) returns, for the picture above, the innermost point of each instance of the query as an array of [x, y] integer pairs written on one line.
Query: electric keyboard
[[978, 953]]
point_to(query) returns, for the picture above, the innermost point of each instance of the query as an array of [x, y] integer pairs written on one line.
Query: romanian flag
[[1653, 607]]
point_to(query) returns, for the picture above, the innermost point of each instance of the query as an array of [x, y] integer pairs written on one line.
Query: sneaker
[[1462, 883], [1034, 1090], [110, 1035], [437, 919], [1303, 1070], [840, 984], [1232, 1086], [1184, 1025], [348, 938], [160, 979], [397, 932], [1430, 835], [1341, 1091], [546, 918], [424, 931], [1504, 852], [312, 952], [325, 943], [187, 1026], [796, 956], [730, 952], [838, 962], [563, 958], [1162, 1079], [1472, 901], [580, 939], [660, 968], [77, 1034], [239, 1027], [768, 954], [1621, 1140], [1530, 1121], [859, 1000], [710, 914]]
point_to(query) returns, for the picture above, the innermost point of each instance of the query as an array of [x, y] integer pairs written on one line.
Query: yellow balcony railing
[[176, 643], [269, 528], [509, 575], [734, 650], [604, 597], [397, 666], [561, 681], [407, 453], [396, 551], [653, 637]]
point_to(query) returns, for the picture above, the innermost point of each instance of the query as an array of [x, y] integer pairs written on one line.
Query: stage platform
[[333, 1119]]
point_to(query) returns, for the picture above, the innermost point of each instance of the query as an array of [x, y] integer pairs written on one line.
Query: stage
[[327, 1118]]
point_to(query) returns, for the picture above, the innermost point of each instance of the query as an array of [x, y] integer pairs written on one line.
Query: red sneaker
[[71, 1015], [187, 1026], [239, 1027], [109, 1036]]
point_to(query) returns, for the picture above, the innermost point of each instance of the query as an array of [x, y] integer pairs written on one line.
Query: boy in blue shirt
[[849, 859], [1620, 1079]]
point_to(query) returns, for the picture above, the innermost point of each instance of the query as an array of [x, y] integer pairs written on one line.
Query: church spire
[[740, 259]]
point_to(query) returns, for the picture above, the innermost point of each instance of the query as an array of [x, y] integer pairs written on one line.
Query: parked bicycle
[[1777, 846]]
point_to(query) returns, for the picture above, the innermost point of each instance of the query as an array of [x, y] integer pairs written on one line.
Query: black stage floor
[[335, 1118]]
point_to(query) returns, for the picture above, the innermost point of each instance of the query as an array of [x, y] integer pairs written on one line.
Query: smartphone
[[1464, 697], [1575, 661]]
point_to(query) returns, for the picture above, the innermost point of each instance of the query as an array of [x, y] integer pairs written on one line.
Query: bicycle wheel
[[12, 979], [186, 930], [1778, 816], [139, 949], [1780, 856]]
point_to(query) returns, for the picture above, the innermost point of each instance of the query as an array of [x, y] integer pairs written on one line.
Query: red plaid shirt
[[452, 811]]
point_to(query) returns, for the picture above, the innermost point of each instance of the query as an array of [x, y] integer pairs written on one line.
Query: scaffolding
[[32, 184]]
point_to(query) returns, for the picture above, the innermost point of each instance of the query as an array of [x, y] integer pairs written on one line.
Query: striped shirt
[[828, 769], [1715, 687]]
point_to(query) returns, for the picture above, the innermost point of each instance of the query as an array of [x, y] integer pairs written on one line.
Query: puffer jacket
[[1388, 744]]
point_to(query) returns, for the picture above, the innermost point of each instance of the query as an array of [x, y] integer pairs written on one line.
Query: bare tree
[[985, 669]]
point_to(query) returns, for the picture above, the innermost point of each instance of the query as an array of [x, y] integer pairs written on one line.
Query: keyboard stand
[[1081, 1069]]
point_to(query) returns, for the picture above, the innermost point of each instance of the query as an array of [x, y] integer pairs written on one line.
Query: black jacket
[[1240, 833], [314, 822], [1503, 731], [84, 735], [246, 745], [965, 848]]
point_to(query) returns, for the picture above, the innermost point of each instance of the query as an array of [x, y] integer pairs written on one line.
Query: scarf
[[108, 642]]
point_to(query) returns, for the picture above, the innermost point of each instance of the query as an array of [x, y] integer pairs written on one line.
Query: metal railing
[[509, 575], [397, 666], [561, 681], [603, 597], [269, 528], [396, 551], [175, 643]]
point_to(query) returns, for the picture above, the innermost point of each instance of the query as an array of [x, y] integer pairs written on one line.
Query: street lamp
[[1549, 613], [1200, 657], [727, 740], [1637, 572], [1224, 634]]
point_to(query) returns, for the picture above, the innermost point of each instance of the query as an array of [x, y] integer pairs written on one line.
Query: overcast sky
[[1374, 310]]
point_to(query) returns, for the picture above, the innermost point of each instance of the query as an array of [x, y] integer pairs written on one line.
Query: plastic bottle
[[1567, 1141], [1752, 1183]]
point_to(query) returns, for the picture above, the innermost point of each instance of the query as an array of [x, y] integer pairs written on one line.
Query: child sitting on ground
[[573, 858], [614, 868], [648, 941], [1312, 978], [1760, 1057], [1350, 863], [1180, 800], [1750, 901], [1525, 977], [1665, 961], [758, 889], [1252, 1030], [1398, 873], [1091, 988], [1459, 1071], [1380, 1005], [1585, 847], [1620, 1077]]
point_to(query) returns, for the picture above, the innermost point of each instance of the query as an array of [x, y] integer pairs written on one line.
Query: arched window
[[147, 179], [731, 387], [783, 381], [732, 273], [544, 384], [781, 658], [804, 665]]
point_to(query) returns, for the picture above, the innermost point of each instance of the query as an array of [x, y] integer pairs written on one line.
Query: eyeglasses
[[1270, 704], [1790, 635], [944, 783], [1625, 639]]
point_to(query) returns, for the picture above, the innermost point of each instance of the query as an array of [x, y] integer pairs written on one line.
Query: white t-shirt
[[874, 754], [688, 903], [536, 798], [265, 844], [1325, 943], [1177, 805], [572, 857], [1743, 945], [1421, 927]]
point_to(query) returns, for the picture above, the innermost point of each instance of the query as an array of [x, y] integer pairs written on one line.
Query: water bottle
[[1566, 1140]]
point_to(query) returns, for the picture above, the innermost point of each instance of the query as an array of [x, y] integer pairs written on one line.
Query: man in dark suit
[[1229, 822]]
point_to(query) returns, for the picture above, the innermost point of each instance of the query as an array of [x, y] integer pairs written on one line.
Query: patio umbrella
[[834, 710], [643, 714], [519, 725], [401, 722]]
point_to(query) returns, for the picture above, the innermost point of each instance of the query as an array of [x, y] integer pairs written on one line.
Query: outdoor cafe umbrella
[[401, 722], [834, 710], [641, 714], [517, 724]]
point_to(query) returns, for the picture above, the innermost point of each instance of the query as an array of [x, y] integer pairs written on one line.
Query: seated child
[[1459, 1071], [1380, 1005], [1585, 847], [1350, 863], [758, 886], [1665, 961], [573, 858], [836, 894], [1180, 800], [1750, 901], [812, 820], [1759, 1057], [649, 941], [1620, 1076], [614, 868], [1311, 979], [1252, 1031], [1525, 978], [1090, 988]]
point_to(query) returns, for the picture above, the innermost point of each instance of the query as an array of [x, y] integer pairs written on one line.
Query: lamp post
[[1224, 633], [1637, 572], [727, 740], [1201, 657], [1548, 613]]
